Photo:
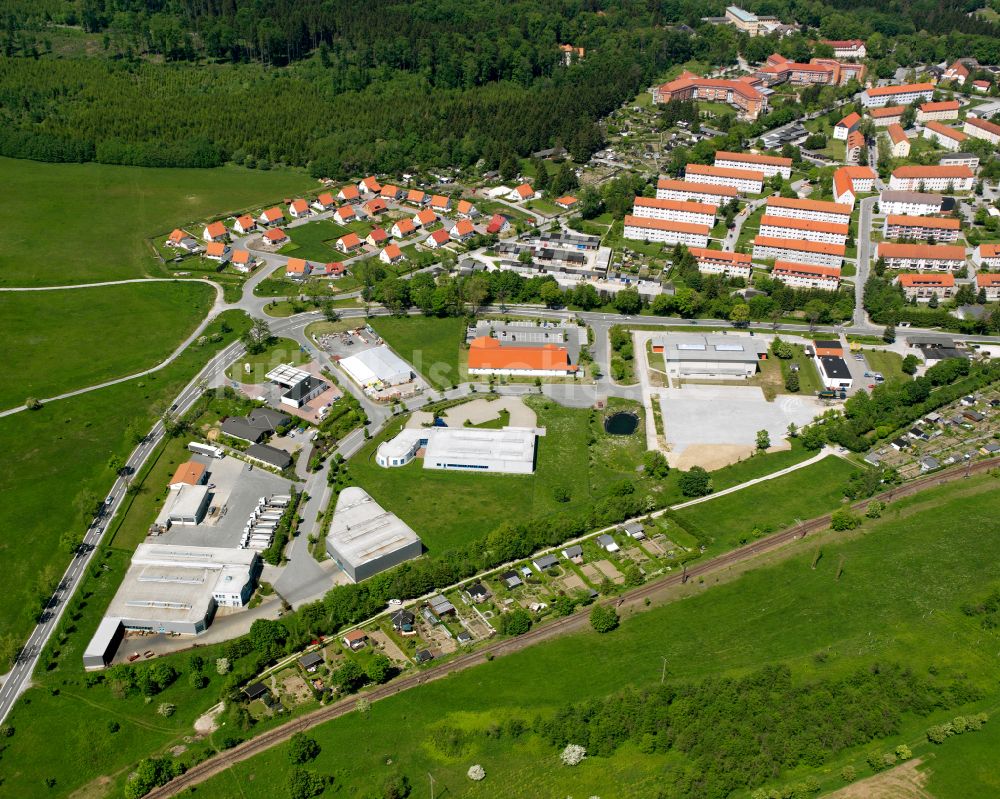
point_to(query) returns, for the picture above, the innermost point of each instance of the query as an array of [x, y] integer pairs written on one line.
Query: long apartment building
[[819, 71], [923, 287], [664, 231], [816, 253], [847, 48], [807, 276], [949, 138], [683, 190], [719, 262], [990, 283], [689, 211], [909, 203], [989, 256], [940, 228], [745, 181], [939, 112], [887, 115], [901, 94], [982, 129], [922, 257], [815, 210], [783, 227], [770, 165], [740, 94], [931, 178]]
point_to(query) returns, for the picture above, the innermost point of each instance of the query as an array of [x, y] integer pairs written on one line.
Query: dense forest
[[385, 85]]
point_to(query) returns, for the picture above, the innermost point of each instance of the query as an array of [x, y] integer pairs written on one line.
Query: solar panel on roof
[[729, 347], [690, 346]]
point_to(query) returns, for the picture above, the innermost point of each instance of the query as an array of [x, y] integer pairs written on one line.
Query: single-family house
[[423, 656], [511, 579], [635, 530], [349, 194], [272, 216], [355, 639], [375, 206], [466, 210], [326, 201], [991, 449], [403, 622], [416, 197], [311, 662], [573, 553], [402, 228], [498, 224], [567, 203], [522, 193], [297, 268], [299, 209], [369, 185], [425, 217], [333, 269], [348, 243], [899, 444], [217, 251], [378, 237], [981, 86], [245, 224], [929, 464], [391, 254], [182, 240], [437, 239], [390, 192], [243, 261], [275, 236], [479, 593], [215, 231], [440, 203], [345, 214], [545, 562], [607, 543], [462, 230]]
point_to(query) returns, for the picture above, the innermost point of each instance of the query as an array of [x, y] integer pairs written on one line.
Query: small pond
[[621, 423]]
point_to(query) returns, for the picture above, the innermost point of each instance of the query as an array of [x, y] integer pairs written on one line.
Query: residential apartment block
[[922, 257], [923, 287], [816, 210], [807, 276], [719, 262], [888, 115], [982, 129], [903, 94], [689, 211], [741, 94], [931, 178], [661, 230], [940, 111], [667, 189], [782, 227], [899, 144], [990, 283], [940, 228], [770, 165], [745, 181], [909, 203], [798, 251], [949, 138]]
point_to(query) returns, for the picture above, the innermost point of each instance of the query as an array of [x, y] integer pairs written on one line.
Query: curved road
[[634, 599]]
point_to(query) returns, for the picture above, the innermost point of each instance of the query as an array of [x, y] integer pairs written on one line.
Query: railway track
[[576, 621]]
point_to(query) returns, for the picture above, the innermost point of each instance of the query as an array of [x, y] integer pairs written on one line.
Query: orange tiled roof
[[215, 229], [189, 473], [488, 353]]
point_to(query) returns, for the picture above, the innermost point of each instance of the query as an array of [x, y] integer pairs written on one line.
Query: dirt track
[[577, 621]]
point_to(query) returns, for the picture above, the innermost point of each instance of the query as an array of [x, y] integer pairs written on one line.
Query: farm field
[[821, 625], [430, 345], [57, 468], [58, 238], [58, 341]]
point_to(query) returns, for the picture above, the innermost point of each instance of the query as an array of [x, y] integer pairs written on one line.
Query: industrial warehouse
[[365, 539], [377, 368], [510, 450], [712, 356]]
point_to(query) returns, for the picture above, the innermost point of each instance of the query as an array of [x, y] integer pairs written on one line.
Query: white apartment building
[[922, 257], [902, 94], [699, 192], [770, 165], [798, 251], [909, 203], [898, 141], [931, 178], [719, 262], [807, 276], [982, 129], [661, 230], [949, 138], [782, 227], [745, 181], [694, 213], [923, 287], [939, 112], [941, 229], [990, 283], [816, 210], [989, 256]]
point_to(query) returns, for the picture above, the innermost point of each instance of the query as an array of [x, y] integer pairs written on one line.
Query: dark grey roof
[[255, 690], [546, 561], [479, 590], [310, 660], [835, 367], [403, 618], [257, 424], [239, 427], [424, 656], [304, 388], [269, 417], [270, 455], [574, 551]]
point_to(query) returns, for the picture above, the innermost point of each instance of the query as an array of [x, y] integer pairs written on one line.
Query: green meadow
[[82, 223], [58, 341], [430, 345], [891, 593]]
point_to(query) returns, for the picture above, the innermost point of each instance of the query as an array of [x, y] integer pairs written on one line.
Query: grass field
[[966, 766], [281, 350], [57, 341], [56, 469], [821, 626], [80, 223], [315, 241], [890, 364], [772, 505], [430, 345]]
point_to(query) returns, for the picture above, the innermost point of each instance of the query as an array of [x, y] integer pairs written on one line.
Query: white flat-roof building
[[186, 505], [376, 368], [510, 450], [712, 356], [365, 539]]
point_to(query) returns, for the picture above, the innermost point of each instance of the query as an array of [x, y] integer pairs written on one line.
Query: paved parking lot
[[714, 425]]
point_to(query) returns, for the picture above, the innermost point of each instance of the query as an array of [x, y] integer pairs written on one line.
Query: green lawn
[[749, 230], [890, 364], [314, 241], [772, 505], [57, 341], [897, 600], [965, 767], [56, 470], [80, 223], [254, 368], [430, 345]]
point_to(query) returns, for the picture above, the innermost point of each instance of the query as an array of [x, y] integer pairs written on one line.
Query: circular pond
[[621, 423]]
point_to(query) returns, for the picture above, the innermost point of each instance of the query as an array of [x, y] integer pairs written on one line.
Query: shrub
[[848, 774], [603, 618], [843, 519], [477, 773], [573, 755]]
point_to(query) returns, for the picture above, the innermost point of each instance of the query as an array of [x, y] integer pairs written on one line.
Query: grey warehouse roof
[[696, 347], [363, 531]]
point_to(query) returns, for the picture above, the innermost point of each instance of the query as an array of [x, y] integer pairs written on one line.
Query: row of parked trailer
[[258, 533]]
